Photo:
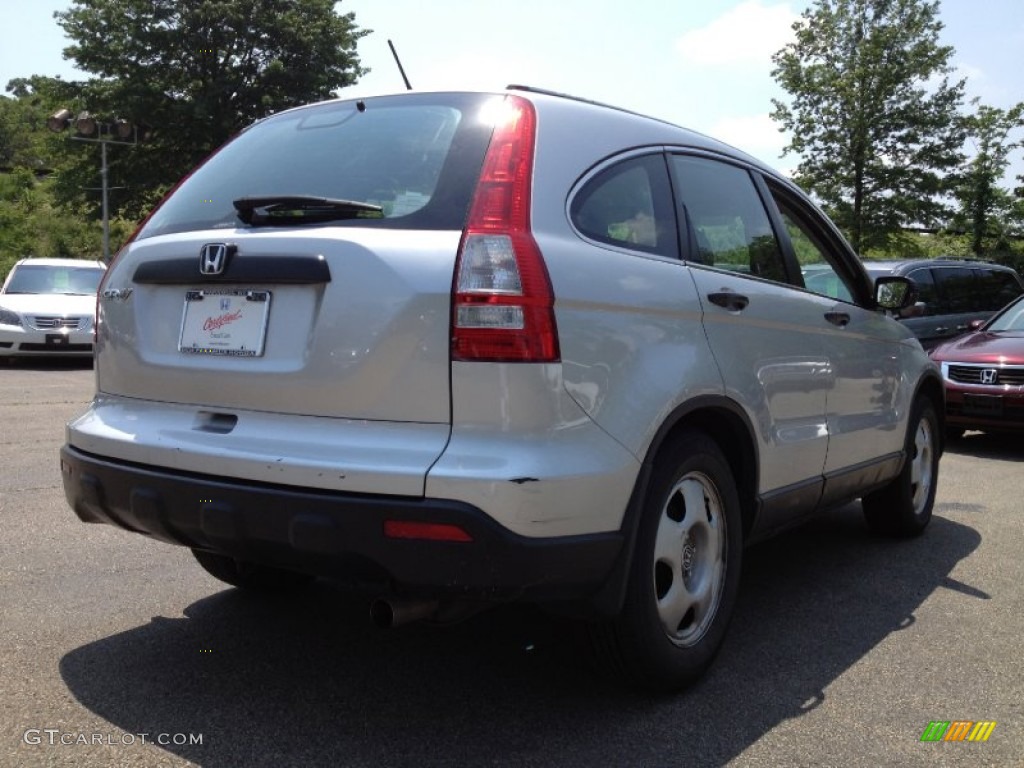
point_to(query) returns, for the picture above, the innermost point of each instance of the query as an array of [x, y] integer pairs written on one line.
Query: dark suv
[[951, 294]]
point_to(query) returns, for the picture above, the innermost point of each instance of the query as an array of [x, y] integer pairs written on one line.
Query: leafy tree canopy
[[193, 73], [24, 140], [873, 114], [985, 209]]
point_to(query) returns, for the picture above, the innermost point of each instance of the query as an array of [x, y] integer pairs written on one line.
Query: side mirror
[[893, 293], [975, 325]]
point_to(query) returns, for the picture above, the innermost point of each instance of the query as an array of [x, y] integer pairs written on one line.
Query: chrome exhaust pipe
[[388, 614]]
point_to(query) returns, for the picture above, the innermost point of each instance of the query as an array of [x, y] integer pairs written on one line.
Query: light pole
[[88, 128]]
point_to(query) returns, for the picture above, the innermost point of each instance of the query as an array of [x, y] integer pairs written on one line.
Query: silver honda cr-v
[[464, 348]]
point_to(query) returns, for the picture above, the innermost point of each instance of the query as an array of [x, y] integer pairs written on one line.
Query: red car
[[984, 374]]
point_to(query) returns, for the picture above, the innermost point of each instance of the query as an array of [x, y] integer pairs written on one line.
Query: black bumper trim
[[337, 535], [57, 349]]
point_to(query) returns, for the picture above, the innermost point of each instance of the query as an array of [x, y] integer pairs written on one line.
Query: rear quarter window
[[629, 205]]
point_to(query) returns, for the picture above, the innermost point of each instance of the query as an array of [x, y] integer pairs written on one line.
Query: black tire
[[904, 507], [259, 578], [679, 602]]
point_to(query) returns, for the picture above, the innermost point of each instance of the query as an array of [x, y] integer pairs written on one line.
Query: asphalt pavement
[[119, 651]]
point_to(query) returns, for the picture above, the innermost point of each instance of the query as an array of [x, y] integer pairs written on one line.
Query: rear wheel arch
[[724, 422], [931, 387], [685, 564]]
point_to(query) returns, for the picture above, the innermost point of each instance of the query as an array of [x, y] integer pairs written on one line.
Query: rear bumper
[[337, 535]]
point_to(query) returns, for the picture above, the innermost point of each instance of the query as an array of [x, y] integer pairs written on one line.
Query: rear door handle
[[842, 319], [734, 302]]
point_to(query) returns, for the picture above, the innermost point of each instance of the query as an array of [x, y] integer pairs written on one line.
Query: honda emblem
[[213, 258], [988, 375]]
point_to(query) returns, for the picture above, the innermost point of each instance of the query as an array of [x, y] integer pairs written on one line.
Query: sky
[[703, 64]]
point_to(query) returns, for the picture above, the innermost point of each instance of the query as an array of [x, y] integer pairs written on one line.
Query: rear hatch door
[[304, 271]]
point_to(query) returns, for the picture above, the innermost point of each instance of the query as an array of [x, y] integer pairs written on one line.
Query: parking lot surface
[[115, 650]]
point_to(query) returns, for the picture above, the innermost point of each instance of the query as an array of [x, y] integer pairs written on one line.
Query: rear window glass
[[415, 156]]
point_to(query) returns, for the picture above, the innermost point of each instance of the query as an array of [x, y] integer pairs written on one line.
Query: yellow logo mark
[[958, 730], [982, 731]]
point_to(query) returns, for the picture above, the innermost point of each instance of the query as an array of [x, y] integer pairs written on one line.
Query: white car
[[48, 307]]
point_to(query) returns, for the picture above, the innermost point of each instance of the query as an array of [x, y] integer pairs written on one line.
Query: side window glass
[[819, 275], [927, 297], [728, 220], [956, 287], [629, 205], [996, 289]]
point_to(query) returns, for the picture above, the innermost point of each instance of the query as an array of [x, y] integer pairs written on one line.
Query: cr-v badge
[[117, 294]]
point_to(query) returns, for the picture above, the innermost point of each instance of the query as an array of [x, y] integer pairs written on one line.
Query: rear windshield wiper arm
[[298, 209]]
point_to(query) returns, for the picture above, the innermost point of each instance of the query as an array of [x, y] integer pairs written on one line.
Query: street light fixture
[[88, 128], [86, 124], [58, 121], [123, 128]]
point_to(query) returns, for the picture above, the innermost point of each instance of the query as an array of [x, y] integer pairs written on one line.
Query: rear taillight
[[502, 302]]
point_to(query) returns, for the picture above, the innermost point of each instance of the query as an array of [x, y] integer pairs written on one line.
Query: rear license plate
[[224, 322], [983, 405]]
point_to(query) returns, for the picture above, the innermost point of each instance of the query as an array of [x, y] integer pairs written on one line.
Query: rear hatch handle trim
[[290, 270]]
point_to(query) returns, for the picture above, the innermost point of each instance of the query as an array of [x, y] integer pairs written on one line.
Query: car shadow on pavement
[[989, 445], [308, 680]]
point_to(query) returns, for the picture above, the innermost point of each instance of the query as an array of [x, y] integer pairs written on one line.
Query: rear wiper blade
[[298, 209]]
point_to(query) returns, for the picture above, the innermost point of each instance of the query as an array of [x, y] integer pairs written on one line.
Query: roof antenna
[[394, 53]]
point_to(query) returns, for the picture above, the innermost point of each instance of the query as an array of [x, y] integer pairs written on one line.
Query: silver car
[[466, 348]]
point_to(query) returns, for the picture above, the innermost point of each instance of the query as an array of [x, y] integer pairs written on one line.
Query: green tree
[[194, 73], [985, 208], [24, 140], [32, 221], [872, 113], [33, 224], [14, 134]]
